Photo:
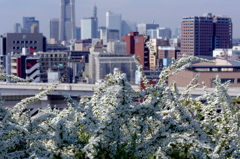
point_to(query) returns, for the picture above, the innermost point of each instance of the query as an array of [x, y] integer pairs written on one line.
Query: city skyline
[[165, 13]]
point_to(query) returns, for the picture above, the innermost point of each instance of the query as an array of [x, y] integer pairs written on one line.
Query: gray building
[[128, 26], [101, 64], [14, 42], [54, 29], [108, 35], [164, 33], [67, 21]]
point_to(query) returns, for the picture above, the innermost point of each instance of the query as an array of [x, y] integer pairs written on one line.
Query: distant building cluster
[[87, 53]]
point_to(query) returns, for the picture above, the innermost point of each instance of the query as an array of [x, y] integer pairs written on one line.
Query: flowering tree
[[111, 125]]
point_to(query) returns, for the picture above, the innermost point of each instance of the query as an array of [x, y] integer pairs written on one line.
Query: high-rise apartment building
[[54, 29], [67, 21], [200, 35], [114, 22], [28, 23]]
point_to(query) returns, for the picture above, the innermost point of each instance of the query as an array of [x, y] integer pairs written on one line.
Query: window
[[223, 80]]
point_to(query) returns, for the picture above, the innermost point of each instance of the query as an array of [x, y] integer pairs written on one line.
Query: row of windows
[[20, 47], [232, 80], [53, 59], [26, 42], [53, 55]]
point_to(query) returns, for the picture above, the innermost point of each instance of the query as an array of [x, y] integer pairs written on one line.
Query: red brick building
[[200, 35], [135, 45]]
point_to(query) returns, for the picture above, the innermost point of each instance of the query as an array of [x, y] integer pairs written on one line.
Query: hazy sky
[[167, 13]]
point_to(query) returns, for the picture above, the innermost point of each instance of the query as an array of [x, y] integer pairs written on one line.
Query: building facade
[[67, 21], [143, 28], [128, 27], [101, 64], [53, 61], [114, 22], [14, 42], [17, 28], [135, 45], [227, 70], [88, 28], [29, 22], [200, 35], [54, 29]]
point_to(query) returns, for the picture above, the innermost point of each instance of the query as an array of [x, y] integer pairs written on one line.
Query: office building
[[83, 45], [14, 42], [116, 47], [114, 22], [128, 27], [101, 64], [136, 45], [54, 29], [53, 61], [28, 22], [67, 21], [17, 28], [109, 35], [34, 28], [78, 33], [143, 28], [164, 33], [200, 35], [88, 28]]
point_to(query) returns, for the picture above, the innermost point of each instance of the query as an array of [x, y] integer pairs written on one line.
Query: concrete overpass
[[14, 92]]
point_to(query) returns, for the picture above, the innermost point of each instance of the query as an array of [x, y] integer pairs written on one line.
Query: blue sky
[[167, 13]]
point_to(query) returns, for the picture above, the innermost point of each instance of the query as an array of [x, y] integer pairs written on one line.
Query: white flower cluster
[[113, 124]]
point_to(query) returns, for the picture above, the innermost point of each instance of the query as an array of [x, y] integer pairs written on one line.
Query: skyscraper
[[28, 22], [200, 35], [114, 22], [17, 28], [88, 28], [54, 29], [67, 21]]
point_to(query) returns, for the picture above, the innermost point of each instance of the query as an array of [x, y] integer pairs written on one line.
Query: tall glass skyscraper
[[67, 21]]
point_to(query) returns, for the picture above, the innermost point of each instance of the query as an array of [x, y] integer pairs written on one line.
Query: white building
[[233, 53], [88, 28], [143, 28], [114, 22]]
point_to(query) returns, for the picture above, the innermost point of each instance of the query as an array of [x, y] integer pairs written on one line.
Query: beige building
[[227, 70], [54, 61]]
